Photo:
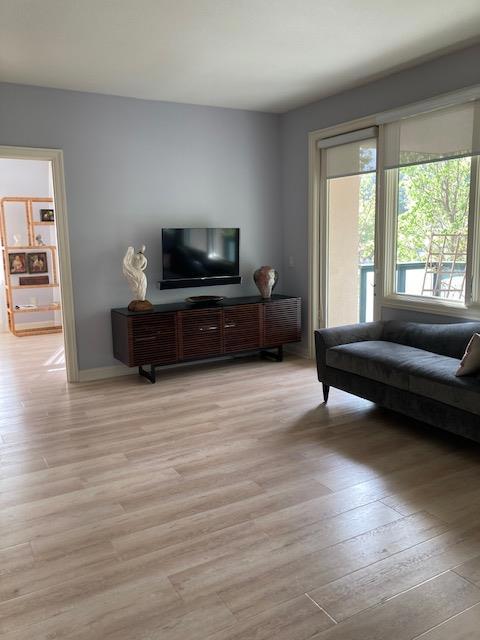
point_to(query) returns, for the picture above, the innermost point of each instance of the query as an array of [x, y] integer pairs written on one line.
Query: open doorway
[[30, 305], [36, 306]]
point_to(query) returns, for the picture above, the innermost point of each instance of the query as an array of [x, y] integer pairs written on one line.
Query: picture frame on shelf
[[47, 215], [17, 263], [37, 262]]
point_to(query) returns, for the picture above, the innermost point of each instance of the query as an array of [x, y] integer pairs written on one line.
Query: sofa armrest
[[327, 338]]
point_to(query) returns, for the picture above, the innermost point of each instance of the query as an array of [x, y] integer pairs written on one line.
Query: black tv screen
[[203, 255]]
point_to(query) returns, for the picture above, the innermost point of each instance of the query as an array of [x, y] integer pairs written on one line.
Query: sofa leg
[[326, 391]]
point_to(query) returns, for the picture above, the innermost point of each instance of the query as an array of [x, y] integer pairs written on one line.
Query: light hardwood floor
[[226, 502]]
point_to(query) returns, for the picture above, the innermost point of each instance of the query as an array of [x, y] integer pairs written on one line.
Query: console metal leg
[[149, 375], [278, 356], [326, 391]]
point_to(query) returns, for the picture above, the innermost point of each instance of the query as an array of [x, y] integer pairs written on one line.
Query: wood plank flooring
[[226, 502]]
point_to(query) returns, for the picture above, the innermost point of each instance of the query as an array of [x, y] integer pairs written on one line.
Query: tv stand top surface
[[188, 306]]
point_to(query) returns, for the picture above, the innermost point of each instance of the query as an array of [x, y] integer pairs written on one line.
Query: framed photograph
[[37, 262], [47, 215], [17, 263]]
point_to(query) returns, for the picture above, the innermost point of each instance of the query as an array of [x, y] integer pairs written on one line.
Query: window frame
[[470, 308], [389, 210]]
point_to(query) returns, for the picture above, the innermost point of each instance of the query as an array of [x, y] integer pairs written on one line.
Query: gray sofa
[[405, 366]]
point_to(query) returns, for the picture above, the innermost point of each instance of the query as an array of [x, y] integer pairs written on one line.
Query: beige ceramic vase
[[265, 278]]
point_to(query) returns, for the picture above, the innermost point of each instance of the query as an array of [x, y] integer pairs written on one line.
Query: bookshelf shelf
[[20, 287], [37, 309], [28, 248], [56, 328]]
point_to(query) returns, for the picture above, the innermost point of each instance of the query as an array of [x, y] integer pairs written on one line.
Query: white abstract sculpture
[[134, 265]]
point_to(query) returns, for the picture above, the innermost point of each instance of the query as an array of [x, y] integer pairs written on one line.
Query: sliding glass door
[[349, 165]]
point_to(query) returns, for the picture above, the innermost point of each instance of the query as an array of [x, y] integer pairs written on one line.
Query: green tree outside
[[433, 199]]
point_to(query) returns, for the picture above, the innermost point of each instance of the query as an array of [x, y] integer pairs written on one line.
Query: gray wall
[[448, 73], [133, 167]]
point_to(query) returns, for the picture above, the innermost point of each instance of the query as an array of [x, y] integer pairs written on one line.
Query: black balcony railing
[[402, 270]]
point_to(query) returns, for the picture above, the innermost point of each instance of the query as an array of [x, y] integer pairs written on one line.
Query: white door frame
[[55, 156]]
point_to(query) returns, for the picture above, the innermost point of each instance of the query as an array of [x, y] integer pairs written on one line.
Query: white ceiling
[[268, 55]]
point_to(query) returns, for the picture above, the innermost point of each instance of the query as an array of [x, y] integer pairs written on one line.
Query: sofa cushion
[[421, 372], [446, 339], [375, 359], [437, 380]]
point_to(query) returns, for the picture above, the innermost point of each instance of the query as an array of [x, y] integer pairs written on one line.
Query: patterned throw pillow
[[470, 362]]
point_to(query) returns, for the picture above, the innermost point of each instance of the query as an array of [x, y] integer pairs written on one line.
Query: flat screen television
[[199, 257]]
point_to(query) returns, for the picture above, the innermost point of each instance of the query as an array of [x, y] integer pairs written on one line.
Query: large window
[[430, 190], [394, 213], [432, 229]]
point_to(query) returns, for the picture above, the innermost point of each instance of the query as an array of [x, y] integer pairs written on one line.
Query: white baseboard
[[101, 373], [297, 350]]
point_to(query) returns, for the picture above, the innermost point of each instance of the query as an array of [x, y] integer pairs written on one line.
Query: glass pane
[[432, 229], [351, 238]]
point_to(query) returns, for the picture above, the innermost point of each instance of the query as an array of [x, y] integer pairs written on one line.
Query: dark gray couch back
[[445, 339]]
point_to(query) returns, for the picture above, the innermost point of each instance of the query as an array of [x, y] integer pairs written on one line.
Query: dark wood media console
[[183, 332]]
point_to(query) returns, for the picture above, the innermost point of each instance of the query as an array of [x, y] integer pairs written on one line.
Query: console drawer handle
[[212, 328], [230, 325]]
